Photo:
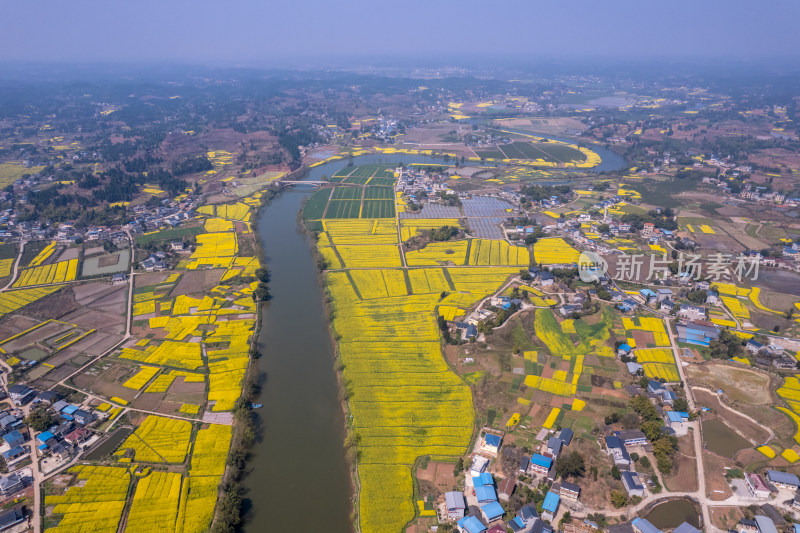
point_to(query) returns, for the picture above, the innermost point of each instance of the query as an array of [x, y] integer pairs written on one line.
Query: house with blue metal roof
[[541, 464], [44, 436], [492, 511], [678, 421], [642, 525], [485, 493], [13, 438], [686, 527], [68, 410], [485, 478], [698, 334], [550, 505], [492, 442], [14, 454], [470, 524], [648, 295]]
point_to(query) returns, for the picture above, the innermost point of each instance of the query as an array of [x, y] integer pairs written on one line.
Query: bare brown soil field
[[54, 306], [716, 484], [99, 319], [14, 323], [440, 474], [150, 278], [69, 253], [740, 384], [106, 379], [86, 293], [683, 477], [725, 518]]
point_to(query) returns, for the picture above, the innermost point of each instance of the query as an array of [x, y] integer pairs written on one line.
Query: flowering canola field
[[404, 400]]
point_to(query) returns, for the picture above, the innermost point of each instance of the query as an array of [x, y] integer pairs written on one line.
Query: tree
[[39, 419], [653, 430], [570, 465], [680, 404], [261, 293], [615, 472], [618, 498], [644, 462], [459, 466], [262, 274]]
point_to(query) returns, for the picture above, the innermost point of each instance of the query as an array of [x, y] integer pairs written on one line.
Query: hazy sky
[[273, 32]]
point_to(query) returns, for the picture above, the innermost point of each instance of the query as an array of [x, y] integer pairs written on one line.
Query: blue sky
[[277, 32]]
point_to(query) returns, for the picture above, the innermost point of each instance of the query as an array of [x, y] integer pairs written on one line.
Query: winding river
[[298, 479]]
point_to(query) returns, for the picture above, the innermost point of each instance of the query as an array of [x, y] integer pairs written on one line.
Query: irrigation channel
[[297, 477]]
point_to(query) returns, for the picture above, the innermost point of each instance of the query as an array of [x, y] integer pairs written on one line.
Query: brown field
[[683, 477], [725, 518], [753, 432], [196, 281], [151, 278], [714, 468], [440, 474], [739, 384], [106, 378]]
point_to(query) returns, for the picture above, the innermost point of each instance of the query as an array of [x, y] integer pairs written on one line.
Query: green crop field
[[346, 193], [169, 235], [315, 206], [378, 209], [379, 193], [343, 209]]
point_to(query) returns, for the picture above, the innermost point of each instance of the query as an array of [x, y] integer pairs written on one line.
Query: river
[[298, 478]]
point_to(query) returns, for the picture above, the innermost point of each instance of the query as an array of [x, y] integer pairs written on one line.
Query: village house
[[632, 483], [697, 333], [632, 437], [550, 506], [616, 449], [491, 443], [756, 485], [678, 421], [692, 312], [506, 488], [540, 464], [642, 525], [455, 503], [783, 480], [470, 524], [570, 491]]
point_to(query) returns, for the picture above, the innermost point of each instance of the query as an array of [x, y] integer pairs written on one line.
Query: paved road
[[16, 267]]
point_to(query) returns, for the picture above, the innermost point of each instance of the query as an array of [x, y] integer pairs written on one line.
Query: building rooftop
[[471, 524], [551, 501], [644, 526], [776, 476], [455, 500], [492, 440], [686, 527], [492, 510]]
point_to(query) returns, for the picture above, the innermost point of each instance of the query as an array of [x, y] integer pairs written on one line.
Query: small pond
[[673, 513]]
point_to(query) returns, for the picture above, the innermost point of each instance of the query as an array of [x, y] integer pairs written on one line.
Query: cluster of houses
[[411, 181], [486, 493], [60, 440]]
